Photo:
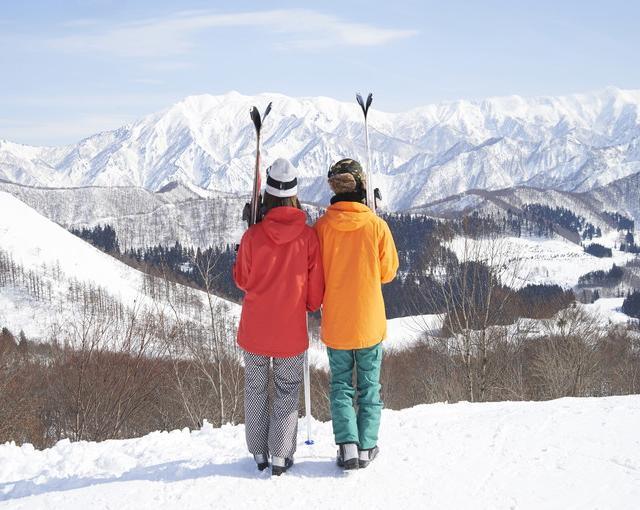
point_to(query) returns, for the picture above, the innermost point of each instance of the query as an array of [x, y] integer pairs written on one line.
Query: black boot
[[366, 456], [348, 456], [280, 465], [262, 461]]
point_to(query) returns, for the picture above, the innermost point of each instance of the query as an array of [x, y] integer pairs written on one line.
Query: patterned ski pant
[[272, 429]]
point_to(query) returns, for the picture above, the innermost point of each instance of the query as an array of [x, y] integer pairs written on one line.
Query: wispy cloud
[[177, 34]]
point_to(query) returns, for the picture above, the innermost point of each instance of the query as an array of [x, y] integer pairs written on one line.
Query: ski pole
[[307, 397]]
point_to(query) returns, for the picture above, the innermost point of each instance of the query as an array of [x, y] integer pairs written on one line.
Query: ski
[[372, 194], [252, 211]]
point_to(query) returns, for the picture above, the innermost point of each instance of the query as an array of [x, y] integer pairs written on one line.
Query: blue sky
[[72, 68]]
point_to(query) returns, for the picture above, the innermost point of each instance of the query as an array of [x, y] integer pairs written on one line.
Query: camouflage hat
[[348, 166]]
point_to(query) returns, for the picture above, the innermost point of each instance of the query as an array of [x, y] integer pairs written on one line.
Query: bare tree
[[102, 373], [205, 356], [567, 362], [470, 282]]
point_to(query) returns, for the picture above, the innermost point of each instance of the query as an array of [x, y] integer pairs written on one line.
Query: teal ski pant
[[349, 427]]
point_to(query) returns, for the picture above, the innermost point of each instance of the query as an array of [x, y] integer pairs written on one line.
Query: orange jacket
[[358, 255]]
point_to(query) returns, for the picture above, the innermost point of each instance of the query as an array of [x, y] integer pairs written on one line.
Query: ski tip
[[255, 117], [266, 112], [364, 105], [309, 441]]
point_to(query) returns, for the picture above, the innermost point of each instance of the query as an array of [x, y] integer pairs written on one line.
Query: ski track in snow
[[567, 453]]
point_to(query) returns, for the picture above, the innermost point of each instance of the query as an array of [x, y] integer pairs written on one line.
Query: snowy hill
[[60, 259], [567, 453], [60, 262], [622, 195], [572, 143], [141, 218], [554, 261]]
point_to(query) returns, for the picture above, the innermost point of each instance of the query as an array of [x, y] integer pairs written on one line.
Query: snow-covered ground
[[536, 260], [609, 310], [141, 219], [562, 454], [405, 332]]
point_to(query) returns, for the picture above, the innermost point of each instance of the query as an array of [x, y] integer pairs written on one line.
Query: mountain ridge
[[573, 143]]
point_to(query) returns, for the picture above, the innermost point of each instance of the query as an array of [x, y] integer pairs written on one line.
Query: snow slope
[[574, 143], [625, 193], [39, 245], [568, 453], [527, 260], [609, 310], [34, 241]]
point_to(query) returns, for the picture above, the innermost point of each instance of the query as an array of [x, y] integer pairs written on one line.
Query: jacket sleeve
[[242, 266], [388, 254], [315, 275]]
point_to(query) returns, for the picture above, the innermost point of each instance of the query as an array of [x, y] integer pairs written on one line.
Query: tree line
[[421, 242], [100, 382]]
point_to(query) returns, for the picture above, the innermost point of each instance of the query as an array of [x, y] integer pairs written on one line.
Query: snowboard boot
[[262, 461], [280, 465], [348, 456], [366, 456]]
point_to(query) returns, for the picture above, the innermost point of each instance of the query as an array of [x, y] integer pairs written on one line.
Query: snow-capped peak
[[574, 142]]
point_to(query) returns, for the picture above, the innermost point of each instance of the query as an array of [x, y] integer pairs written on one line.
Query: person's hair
[[343, 183], [269, 202]]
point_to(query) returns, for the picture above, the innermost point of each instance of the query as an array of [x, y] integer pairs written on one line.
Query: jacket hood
[[348, 216], [284, 224]]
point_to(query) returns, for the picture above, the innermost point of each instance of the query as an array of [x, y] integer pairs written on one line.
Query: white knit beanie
[[281, 179]]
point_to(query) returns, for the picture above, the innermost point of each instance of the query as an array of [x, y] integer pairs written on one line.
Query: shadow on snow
[[175, 471]]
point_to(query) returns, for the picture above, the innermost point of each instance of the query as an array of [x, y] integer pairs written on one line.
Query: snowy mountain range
[[570, 143]]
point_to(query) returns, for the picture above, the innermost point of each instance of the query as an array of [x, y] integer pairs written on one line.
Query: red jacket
[[280, 270]]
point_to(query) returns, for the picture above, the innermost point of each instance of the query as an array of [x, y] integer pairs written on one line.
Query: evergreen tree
[[597, 250], [631, 305], [7, 341]]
